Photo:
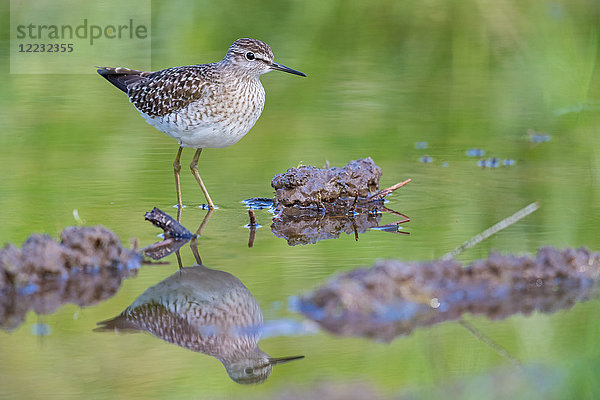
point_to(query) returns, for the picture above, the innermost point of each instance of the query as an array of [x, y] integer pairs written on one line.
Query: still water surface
[[393, 81]]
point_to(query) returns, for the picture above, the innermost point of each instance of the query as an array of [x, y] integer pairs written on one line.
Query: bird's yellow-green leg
[[194, 241], [176, 170], [194, 168], [204, 222]]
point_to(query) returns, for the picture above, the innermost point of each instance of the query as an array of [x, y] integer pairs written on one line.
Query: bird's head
[[255, 58], [255, 368]]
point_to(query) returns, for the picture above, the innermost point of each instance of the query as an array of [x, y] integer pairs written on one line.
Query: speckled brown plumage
[[170, 90]]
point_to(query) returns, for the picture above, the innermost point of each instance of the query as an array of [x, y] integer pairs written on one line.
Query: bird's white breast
[[221, 117]]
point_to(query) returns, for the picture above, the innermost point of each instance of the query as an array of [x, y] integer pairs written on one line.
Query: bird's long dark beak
[[283, 360], [283, 68]]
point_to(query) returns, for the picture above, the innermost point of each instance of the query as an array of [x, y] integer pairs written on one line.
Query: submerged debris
[[160, 250], [299, 227], [87, 266], [393, 297], [495, 162], [170, 227], [309, 230], [252, 226], [475, 152], [538, 137], [252, 217], [308, 186], [259, 203], [491, 163], [175, 234]]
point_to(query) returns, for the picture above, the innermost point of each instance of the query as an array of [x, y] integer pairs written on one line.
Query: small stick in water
[[506, 222], [252, 226], [251, 237], [382, 193], [485, 339], [252, 217]]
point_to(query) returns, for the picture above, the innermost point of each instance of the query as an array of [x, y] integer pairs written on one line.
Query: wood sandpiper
[[207, 105]]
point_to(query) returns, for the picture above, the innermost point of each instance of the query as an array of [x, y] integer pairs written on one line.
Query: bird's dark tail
[[122, 78], [120, 324]]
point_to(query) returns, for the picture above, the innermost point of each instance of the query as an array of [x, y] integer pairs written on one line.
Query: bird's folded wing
[[121, 77]]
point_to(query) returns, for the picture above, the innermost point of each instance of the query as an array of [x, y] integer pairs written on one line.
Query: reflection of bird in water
[[207, 311]]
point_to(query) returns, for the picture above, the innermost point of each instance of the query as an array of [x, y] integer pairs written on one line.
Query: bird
[[207, 311], [206, 105]]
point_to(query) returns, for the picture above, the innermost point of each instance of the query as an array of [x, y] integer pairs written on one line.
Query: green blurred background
[[382, 75]]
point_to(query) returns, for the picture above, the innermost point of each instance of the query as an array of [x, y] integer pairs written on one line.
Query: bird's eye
[[250, 56], [248, 370]]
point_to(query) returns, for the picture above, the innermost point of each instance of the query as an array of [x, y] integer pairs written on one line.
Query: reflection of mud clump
[[310, 186], [85, 267], [310, 230], [393, 298]]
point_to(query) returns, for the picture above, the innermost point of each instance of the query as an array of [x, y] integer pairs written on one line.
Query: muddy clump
[[308, 186], [85, 267], [393, 297], [313, 204]]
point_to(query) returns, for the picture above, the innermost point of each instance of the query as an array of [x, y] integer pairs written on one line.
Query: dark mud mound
[[308, 186], [86, 267], [393, 297]]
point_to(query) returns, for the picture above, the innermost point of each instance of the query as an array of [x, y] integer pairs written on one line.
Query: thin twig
[[392, 228], [252, 225], [506, 222], [353, 206], [485, 339], [252, 217], [148, 262], [382, 193], [251, 236]]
